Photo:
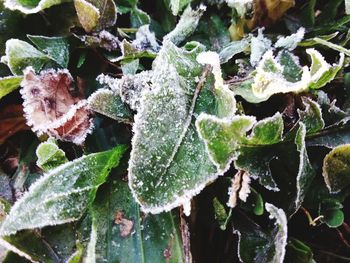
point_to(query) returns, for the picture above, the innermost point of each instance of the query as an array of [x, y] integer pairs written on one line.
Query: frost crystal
[[292, 41], [259, 45], [145, 40]]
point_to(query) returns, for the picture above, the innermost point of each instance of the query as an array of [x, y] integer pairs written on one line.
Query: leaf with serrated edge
[[177, 166], [63, 194], [34, 6]]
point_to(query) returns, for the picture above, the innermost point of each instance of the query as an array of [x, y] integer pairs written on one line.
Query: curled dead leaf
[[125, 225], [53, 106]]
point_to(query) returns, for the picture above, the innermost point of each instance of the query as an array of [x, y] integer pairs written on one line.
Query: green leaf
[[186, 25], [32, 6], [336, 168], [121, 233], [139, 18], [306, 172], [220, 214], [56, 48], [20, 55], [169, 163], [233, 49], [63, 194], [254, 203], [106, 102], [297, 251], [259, 245], [311, 116], [96, 15], [9, 84], [49, 155], [331, 211]]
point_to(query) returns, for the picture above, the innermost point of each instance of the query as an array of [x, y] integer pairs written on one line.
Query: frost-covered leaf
[[20, 55], [259, 245], [177, 166], [50, 155], [32, 6], [139, 18], [186, 25], [292, 41], [56, 48], [176, 6], [336, 167], [311, 116], [347, 7], [259, 45], [106, 102], [96, 15], [306, 172], [130, 52], [145, 40], [102, 39], [121, 233], [63, 194], [52, 106], [283, 75], [9, 84], [233, 49]]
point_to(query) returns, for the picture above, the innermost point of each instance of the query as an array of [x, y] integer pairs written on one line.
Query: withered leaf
[[53, 106]]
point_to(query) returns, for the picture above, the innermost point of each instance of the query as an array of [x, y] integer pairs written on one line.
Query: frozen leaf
[[49, 155], [306, 173], [336, 168], [233, 49], [122, 233], [20, 55], [145, 40], [32, 6], [186, 25], [283, 75], [96, 15], [9, 84], [176, 166], [256, 244], [56, 48], [63, 194], [311, 116], [51, 106], [102, 39], [223, 137], [331, 45], [176, 6], [130, 52], [292, 41], [106, 102], [259, 46], [297, 251]]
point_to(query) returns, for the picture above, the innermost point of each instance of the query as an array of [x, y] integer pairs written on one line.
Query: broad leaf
[[169, 163], [56, 48], [259, 245], [20, 55], [311, 116], [121, 233], [32, 6], [63, 194]]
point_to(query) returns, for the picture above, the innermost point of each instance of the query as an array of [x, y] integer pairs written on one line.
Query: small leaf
[[56, 48], [186, 25], [292, 41], [176, 6], [259, 45], [96, 15], [32, 6], [233, 49], [336, 168], [20, 55], [139, 18], [63, 194], [49, 155], [297, 251], [331, 211], [9, 84], [220, 214], [311, 116], [106, 102]]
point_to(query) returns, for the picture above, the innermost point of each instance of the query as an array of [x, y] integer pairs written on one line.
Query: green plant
[[174, 131]]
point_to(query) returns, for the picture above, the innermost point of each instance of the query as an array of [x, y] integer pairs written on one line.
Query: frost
[[259, 45], [187, 208], [51, 107], [49, 155], [63, 194], [281, 233], [245, 188], [31, 6], [292, 41], [240, 5], [186, 25], [240, 189], [91, 251], [145, 40], [14, 249]]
